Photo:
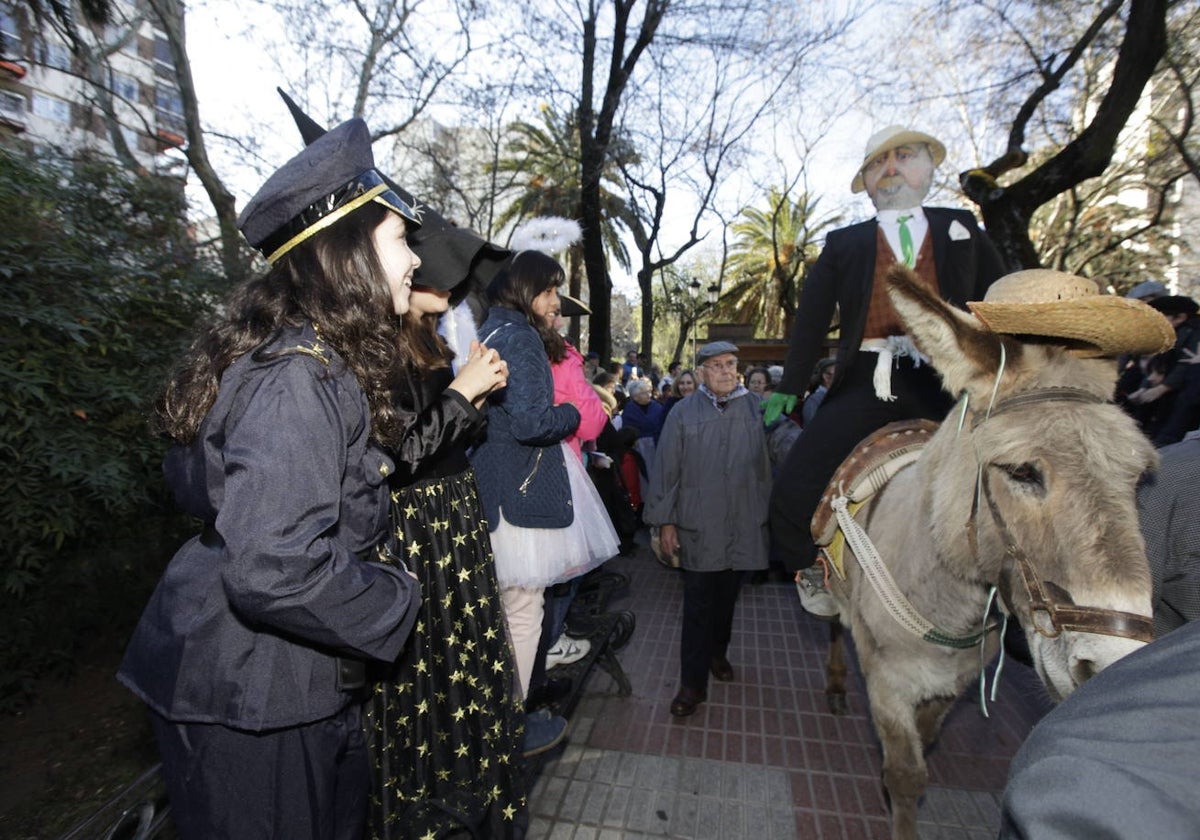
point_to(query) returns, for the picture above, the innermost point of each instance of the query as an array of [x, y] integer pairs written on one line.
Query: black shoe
[[686, 701], [548, 693], [721, 669]]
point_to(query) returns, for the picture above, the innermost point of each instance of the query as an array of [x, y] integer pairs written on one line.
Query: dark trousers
[[847, 415], [306, 782], [708, 602]]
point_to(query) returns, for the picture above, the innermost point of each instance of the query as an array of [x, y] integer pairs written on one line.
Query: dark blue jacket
[[247, 624], [519, 465], [647, 420]]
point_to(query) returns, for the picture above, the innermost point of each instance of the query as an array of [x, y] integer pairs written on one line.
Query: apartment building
[[116, 87]]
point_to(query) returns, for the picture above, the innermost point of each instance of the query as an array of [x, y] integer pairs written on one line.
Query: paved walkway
[[762, 759]]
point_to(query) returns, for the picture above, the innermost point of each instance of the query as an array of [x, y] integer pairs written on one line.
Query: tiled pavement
[[762, 759]]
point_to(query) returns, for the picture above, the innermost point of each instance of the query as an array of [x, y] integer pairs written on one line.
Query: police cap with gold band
[[330, 178], [453, 258]]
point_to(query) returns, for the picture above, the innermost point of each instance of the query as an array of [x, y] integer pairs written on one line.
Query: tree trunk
[[1007, 212], [645, 279]]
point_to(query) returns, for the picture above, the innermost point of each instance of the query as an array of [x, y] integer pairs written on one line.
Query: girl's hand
[[483, 373]]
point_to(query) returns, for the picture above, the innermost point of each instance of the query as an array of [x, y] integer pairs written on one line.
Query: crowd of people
[[399, 500]]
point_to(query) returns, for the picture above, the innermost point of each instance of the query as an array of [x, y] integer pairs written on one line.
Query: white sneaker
[[567, 650], [815, 597]]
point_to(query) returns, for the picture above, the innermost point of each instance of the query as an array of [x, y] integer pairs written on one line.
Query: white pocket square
[[957, 231]]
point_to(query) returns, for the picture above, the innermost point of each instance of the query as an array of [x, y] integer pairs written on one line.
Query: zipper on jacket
[[537, 462]]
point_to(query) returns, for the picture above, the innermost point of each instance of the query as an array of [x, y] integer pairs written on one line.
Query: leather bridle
[[1052, 609]]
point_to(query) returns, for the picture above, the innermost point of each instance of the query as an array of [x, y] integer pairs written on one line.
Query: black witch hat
[[449, 254]]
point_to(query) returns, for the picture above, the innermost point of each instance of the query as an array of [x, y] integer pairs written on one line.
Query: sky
[[235, 83]]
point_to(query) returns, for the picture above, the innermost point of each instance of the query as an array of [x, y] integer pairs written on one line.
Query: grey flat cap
[[714, 348], [1146, 289]]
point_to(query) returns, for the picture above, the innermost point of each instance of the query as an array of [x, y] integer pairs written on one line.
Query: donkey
[[1034, 494]]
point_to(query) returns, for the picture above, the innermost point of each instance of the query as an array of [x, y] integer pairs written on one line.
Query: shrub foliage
[[99, 287]]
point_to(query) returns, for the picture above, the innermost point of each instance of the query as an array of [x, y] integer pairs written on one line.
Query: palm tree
[[546, 155], [772, 250]]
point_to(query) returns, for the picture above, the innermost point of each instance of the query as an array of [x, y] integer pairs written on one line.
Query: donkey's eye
[[1026, 474]]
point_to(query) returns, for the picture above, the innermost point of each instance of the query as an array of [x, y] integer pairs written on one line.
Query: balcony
[[172, 128], [11, 70]]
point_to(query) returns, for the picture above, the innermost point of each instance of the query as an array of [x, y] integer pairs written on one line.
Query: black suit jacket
[[845, 273]]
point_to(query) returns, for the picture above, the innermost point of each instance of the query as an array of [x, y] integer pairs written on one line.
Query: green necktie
[[906, 243]]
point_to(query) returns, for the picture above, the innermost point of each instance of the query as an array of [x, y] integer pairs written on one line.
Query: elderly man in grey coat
[[708, 495]]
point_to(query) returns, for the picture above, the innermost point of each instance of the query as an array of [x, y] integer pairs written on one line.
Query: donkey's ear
[[966, 354]]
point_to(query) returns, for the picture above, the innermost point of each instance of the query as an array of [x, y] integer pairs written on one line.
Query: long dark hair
[[528, 275], [333, 280], [420, 345]]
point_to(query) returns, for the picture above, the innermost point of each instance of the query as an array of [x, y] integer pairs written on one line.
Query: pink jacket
[[570, 385]]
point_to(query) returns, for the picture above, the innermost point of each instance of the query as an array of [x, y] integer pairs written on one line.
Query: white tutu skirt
[[534, 558]]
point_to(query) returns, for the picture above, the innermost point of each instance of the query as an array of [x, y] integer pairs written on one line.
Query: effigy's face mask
[[899, 178]]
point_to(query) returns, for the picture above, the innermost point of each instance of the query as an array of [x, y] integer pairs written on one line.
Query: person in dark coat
[[708, 495], [1118, 758], [1170, 395], [445, 723], [528, 477], [880, 377], [251, 653], [644, 414]]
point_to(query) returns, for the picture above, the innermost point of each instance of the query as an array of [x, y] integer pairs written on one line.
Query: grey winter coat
[[712, 480]]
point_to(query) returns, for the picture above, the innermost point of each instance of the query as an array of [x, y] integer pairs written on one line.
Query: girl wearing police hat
[[251, 653]]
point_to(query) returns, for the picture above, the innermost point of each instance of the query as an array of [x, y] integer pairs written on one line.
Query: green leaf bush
[[100, 284]]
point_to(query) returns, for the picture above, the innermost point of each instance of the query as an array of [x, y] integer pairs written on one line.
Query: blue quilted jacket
[[519, 465]]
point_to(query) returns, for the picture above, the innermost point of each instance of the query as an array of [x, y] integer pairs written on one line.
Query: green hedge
[[99, 288]]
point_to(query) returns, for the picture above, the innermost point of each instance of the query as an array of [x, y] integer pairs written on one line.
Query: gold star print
[[444, 562], [470, 645], [423, 750], [496, 792], [463, 575], [483, 764], [410, 511], [440, 696], [454, 503], [429, 835], [452, 640], [443, 775], [461, 752], [497, 667], [457, 676], [469, 610], [490, 633], [414, 549], [449, 599], [458, 714], [509, 812], [458, 626], [423, 707], [441, 525], [460, 540], [422, 667]]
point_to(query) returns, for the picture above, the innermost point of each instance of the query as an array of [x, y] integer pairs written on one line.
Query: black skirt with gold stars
[[444, 726]]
